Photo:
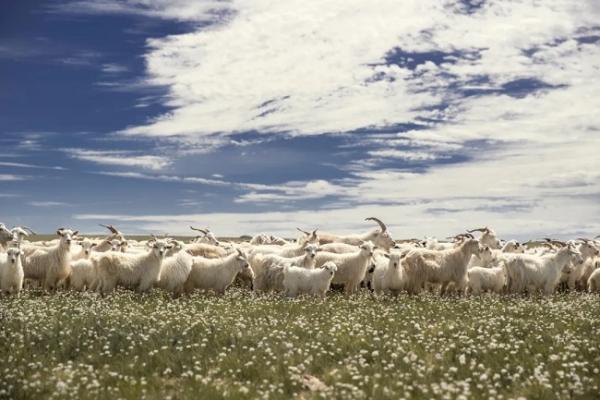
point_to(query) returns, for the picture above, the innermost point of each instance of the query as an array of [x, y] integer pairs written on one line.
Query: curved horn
[[111, 228], [29, 230], [305, 232], [597, 237], [199, 230], [240, 253], [314, 233], [381, 224], [479, 230]]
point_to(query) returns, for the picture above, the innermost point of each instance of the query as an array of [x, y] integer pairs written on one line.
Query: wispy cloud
[[48, 204], [183, 10], [112, 68], [25, 165], [12, 177], [120, 158]]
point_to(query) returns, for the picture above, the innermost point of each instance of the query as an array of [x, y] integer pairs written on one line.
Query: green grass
[[77, 345]]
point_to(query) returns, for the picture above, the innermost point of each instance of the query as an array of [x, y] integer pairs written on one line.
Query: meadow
[[243, 345]]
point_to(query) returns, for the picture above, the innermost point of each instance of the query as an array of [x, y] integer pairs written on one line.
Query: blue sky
[[251, 116]]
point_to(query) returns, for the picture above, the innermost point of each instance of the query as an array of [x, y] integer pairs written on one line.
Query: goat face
[[66, 236], [159, 248], [330, 267], [311, 250], [383, 239], [367, 248], [14, 254]]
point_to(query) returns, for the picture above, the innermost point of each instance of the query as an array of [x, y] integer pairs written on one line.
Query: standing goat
[[216, 274], [452, 265], [51, 266], [539, 272], [139, 271], [11, 271], [351, 267]]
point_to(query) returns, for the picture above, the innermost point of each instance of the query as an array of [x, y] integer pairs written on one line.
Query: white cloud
[[12, 177], [182, 10], [47, 204], [25, 165], [308, 67], [112, 68], [121, 158]]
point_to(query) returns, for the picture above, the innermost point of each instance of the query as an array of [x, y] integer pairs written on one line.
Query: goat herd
[[309, 265]]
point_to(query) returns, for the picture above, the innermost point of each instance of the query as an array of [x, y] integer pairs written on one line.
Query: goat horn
[[198, 229], [305, 232], [111, 228], [381, 224], [29, 230], [479, 230]]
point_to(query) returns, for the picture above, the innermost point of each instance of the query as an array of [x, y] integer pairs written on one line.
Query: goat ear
[[60, 232], [386, 255]]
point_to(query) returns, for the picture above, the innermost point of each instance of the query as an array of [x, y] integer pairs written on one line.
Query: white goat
[[379, 237], [207, 236], [11, 271], [452, 265], [316, 282], [577, 272], [488, 237], [268, 268], [482, 279], [389, 275], [593, 282], [216, 274], [539, 272], [52, 266], [175, 270], [139, 271], [351, 267], [86, 247]]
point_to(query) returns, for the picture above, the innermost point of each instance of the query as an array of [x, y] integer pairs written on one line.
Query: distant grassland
[[243, 345], [45, 237]]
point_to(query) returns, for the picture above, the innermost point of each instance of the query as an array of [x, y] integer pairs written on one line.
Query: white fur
[[316, 282], [216, 274], [139, 271], [175, 272], [593, 282], [389, 275], [483, 279], [451, 265], [539, 272], [11, 271], [51, 266], [351, 267]]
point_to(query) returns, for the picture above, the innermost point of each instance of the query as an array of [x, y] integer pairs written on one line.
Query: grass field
[[77, 345]]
